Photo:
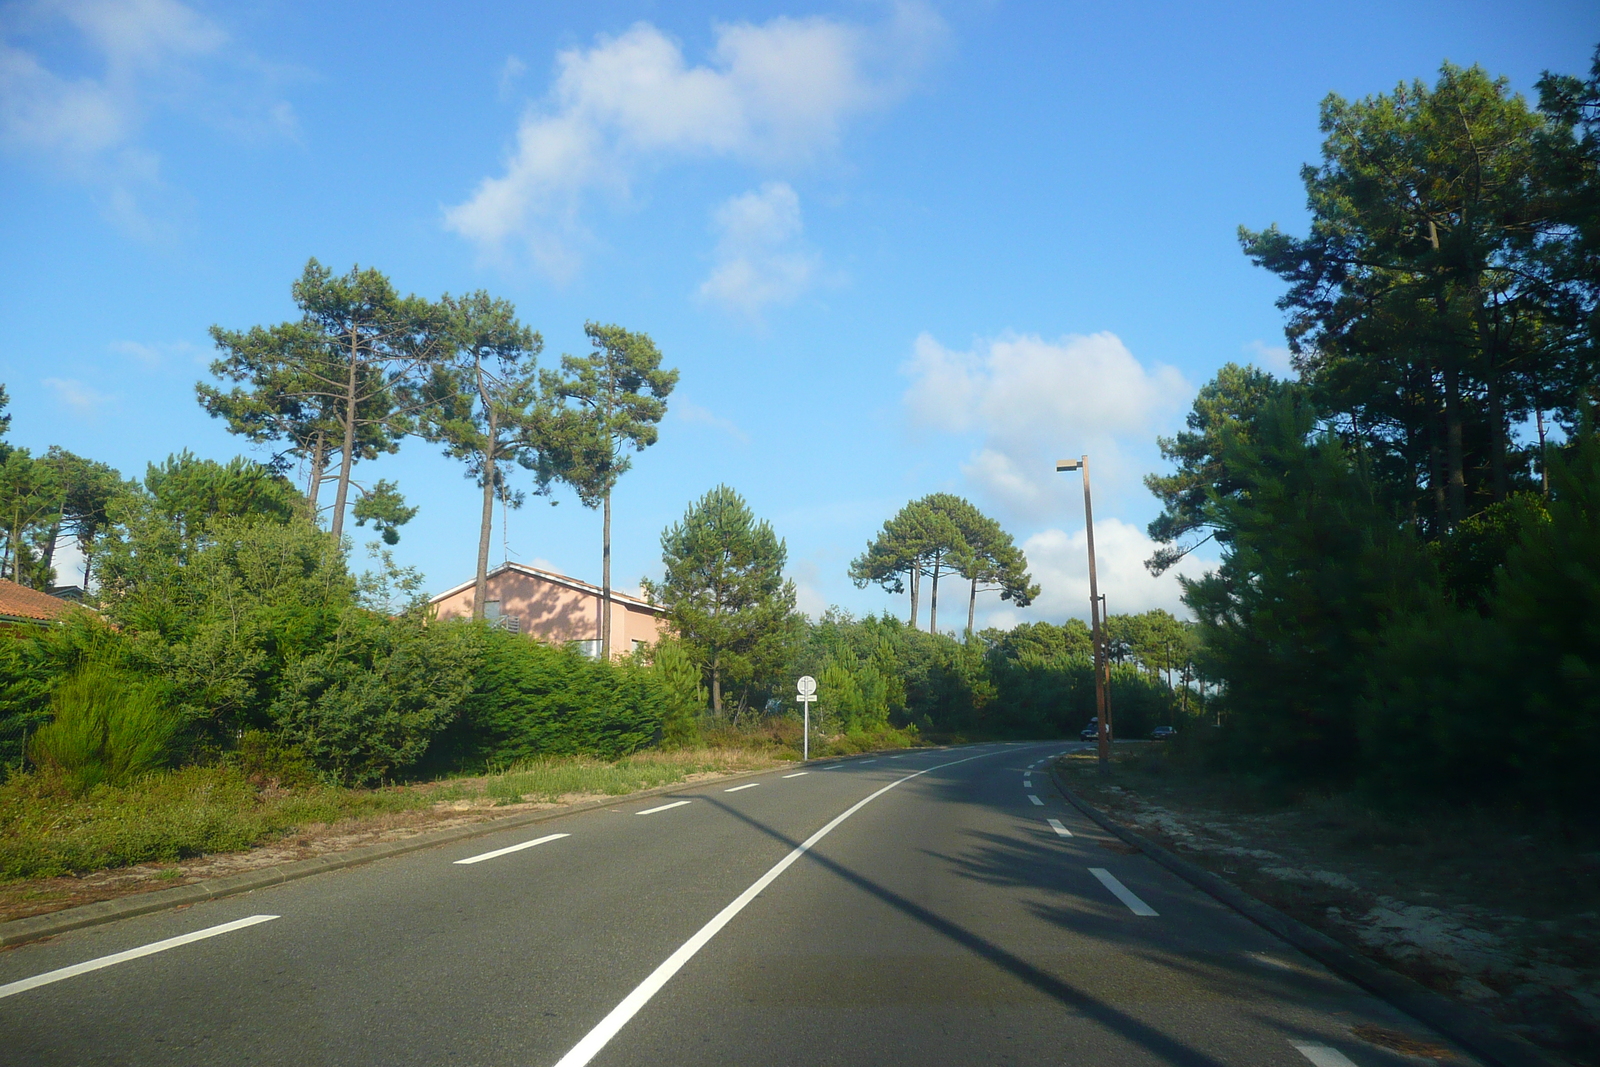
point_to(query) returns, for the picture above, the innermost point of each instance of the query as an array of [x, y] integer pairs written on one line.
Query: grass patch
[[551, 779]]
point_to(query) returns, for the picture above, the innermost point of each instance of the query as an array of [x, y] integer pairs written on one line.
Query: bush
[[108, 726], [530, 700], [370, 702], [685, 696]]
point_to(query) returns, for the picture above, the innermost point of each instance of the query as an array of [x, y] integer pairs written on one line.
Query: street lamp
[[1102, 709]]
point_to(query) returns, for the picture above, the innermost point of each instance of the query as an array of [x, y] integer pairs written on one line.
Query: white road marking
[[1122, 892], [873, 760], [797, 774], [1055, 824], [510, 849], [1037, 802], [664, 807], [76, 969], [901, 756], [1323, 1056], [747, 785], [612, 1024]]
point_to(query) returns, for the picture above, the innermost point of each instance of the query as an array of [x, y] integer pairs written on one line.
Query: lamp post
[[1102, 709]]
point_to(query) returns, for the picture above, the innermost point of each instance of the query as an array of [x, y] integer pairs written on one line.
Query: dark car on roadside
[[1163, 733], [1090, 732]]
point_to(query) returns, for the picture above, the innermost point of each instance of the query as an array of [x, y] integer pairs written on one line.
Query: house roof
[[20, 602], [558, 579]]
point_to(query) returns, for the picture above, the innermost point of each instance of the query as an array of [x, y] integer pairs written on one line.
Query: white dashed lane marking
[[1055, 824], [1037, 802], [13, 988], [510, 849], [747, 785], [797, 774], [1324, 1056], [1122, 892], [664, 807]]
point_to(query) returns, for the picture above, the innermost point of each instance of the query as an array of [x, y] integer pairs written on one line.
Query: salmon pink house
[[553, 608]]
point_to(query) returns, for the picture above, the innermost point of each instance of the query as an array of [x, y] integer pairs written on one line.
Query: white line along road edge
[[512, 848], [601, 1035], [132, 954], [1122, 892]]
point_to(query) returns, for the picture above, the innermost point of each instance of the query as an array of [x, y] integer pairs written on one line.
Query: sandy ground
[[1531, 962]]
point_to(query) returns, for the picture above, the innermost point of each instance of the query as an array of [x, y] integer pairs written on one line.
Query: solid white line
[[797, 774], [1323, 1056], [512, 848], [132, 954], [747, 785], [1055, 824], [1037, 802], [1122, 892], [607, 1028], [664, 807]]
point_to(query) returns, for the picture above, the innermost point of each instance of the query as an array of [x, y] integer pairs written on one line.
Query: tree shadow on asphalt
[[1170, 1049]]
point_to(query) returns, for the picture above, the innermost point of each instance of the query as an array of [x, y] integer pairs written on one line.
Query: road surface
[[937, 907]]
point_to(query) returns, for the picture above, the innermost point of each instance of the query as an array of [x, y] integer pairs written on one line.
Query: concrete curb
[[34, 927], [1479, 1035]]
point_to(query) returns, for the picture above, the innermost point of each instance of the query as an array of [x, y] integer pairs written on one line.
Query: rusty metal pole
[[1102, 709]]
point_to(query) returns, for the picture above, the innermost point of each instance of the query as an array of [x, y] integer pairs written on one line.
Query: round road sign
[[806, 685]]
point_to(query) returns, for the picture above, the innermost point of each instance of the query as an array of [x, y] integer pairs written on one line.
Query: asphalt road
[[943, 921]]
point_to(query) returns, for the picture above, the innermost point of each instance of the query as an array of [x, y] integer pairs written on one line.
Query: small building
[[553, 608], [21, 606]]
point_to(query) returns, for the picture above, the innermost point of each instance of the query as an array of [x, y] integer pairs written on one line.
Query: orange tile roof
[[20, 602]]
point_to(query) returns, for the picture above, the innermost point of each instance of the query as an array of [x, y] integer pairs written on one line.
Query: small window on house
[[491, 609], [590, 648], [637, 644]]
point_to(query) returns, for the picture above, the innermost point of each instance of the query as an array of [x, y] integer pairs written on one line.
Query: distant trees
[[944, 534], [724, 589], [617, 396], [485, 407], [341, 384]]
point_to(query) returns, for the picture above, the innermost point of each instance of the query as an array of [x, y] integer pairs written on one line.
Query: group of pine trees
[[1411, 527]]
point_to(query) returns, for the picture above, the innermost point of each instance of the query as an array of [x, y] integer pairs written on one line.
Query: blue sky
[[893, 248]]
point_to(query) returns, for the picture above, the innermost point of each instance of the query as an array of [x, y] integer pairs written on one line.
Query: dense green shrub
[[106, 726], [684, 693], [530, 699], [370, 701]]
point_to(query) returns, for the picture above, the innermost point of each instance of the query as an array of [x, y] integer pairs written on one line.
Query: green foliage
[[724, 589], [530, 700], [686, 697], [107, 726], [369, 701]]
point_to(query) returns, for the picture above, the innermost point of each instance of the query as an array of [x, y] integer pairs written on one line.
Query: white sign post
[[806, 692]]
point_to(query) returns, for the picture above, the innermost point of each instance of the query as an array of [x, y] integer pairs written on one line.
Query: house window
[[590, 648], [638, 644]]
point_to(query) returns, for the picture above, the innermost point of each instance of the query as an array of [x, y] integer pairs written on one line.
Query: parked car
[[1163, 733], [1092, 731]]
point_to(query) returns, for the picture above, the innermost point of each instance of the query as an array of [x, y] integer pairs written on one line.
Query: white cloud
[[760, 258], [156, 355], [775, 93], [1059, 562], [808, 597], [511, 72], [146, 54], [691, 412], [1032, 401], [75, 395], [1274, 358]]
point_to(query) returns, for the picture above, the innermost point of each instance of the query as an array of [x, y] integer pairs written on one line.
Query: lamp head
[[1068, 464]]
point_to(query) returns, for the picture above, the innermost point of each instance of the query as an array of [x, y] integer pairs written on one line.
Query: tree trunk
[[933, 599], [716, 688], [1544, 471], [916, 573], [480, 587], [605, 583], [319, 463], [1456, 488], [348, 457], [972, 607]]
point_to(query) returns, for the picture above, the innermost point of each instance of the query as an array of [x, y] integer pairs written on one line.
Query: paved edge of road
[[1471, 1030], [18, 931]]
